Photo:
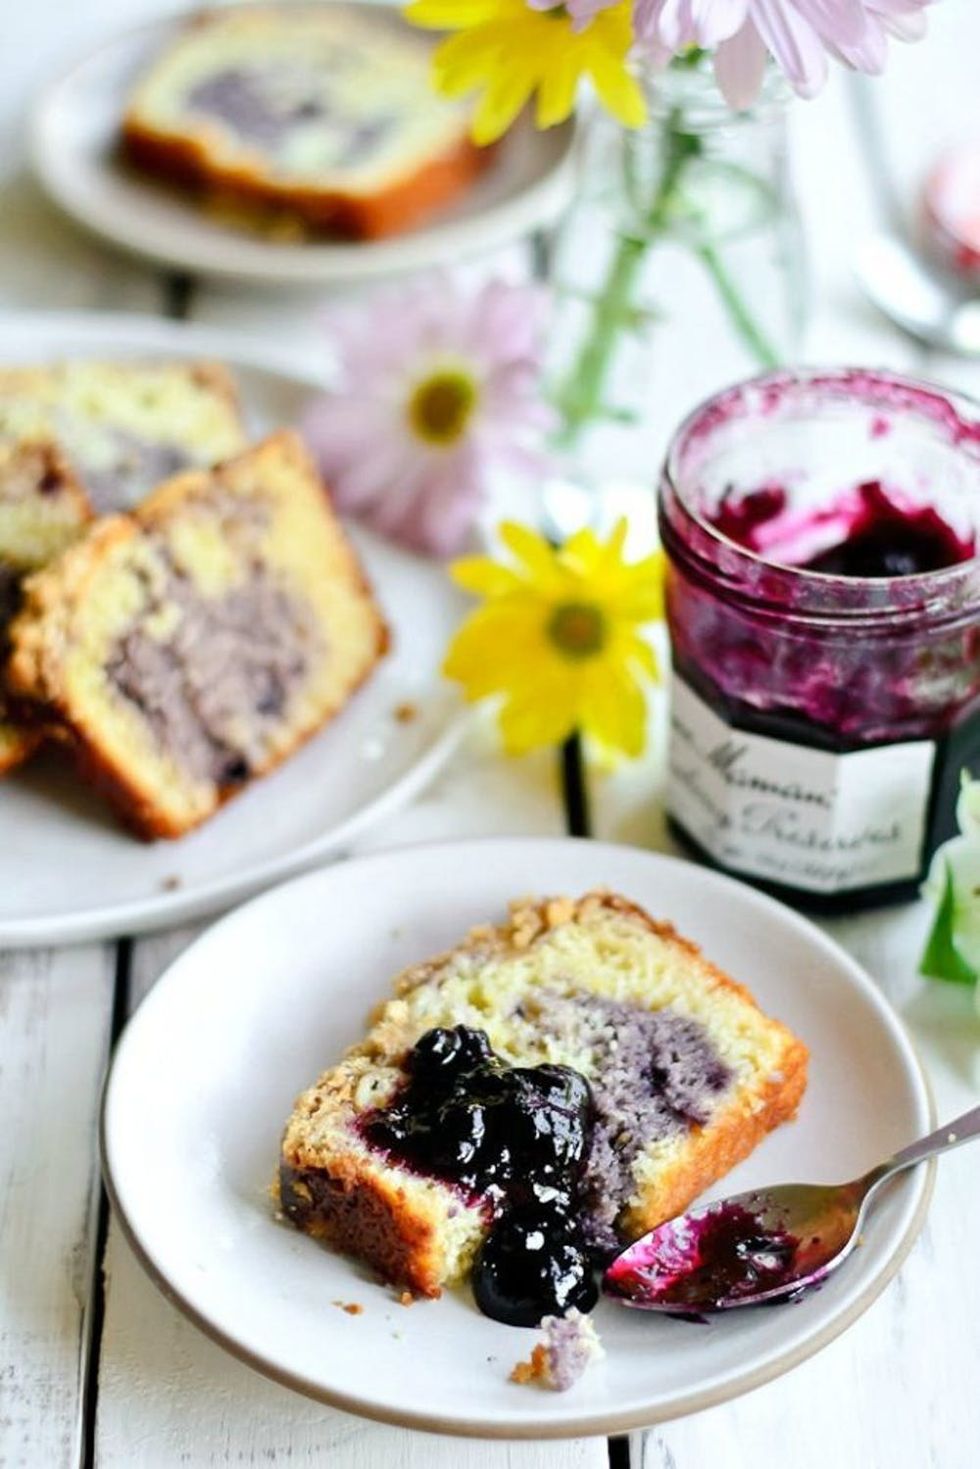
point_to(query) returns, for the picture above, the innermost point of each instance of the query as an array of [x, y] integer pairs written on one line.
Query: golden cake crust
[[55, 601], [344, 1194], [403, 203], [42, 506]]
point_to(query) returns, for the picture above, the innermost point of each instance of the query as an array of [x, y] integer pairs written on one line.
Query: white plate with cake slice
[[521, 186], [208, 1069], [69, 870]]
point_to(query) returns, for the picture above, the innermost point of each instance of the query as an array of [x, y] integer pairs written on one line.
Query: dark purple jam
[[533, 1263], [548, 1154], [866, 532], [706, 1263], [516, 1137]]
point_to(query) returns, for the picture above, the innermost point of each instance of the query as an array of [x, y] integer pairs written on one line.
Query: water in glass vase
[[678, 269]]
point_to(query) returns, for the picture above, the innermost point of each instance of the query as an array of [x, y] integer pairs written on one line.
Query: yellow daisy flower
[[512, 52], [558, 637]]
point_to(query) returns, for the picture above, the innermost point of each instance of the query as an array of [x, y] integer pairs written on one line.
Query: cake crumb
[[525, 923], [406, 713], [353, 1308], [570, 1345], [172, 883], [406, 1298], [559, 911]]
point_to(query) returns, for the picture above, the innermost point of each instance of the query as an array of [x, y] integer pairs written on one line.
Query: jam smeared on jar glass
[[706, 1263], [869, 531], [822, 534], [515, 1137]]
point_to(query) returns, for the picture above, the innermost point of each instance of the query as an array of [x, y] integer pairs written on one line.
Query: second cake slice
[[189, 647]]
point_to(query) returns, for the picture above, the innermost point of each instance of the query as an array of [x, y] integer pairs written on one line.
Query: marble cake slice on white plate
[[303, 119], [79, 438]]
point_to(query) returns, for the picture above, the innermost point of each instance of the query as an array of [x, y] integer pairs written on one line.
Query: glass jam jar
[[822, 532]]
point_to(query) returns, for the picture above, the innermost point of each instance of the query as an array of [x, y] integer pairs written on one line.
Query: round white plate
[[207, 1071], [68, 871], [74, 132]]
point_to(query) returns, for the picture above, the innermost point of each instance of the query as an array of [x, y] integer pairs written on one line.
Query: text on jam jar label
[[792, 814]]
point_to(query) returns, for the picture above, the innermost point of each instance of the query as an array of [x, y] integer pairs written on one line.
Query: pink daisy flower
[[436, 385], [581, 11], [798, 34]]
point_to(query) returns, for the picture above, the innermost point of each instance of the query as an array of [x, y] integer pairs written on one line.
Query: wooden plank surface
[[55, 1011]]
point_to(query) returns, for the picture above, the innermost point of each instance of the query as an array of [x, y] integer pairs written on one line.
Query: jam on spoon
[[765, 1246]]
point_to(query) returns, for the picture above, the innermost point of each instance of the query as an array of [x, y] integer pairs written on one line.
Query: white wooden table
[[95, 1367]]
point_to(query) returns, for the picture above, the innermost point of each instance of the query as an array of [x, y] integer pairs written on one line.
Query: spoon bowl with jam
[[764, 1246]]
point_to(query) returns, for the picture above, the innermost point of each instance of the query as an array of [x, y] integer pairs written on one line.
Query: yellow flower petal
[[483, 576], [527, 723], [556, 92], [509, 647], [642, 598], [503, 99], [448, 15], [644, 656], [620, 93], [495, 649], [530, 548], [614, 712], [510, 52]]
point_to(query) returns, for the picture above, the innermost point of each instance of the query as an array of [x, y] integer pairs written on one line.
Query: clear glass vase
[[678, 269]]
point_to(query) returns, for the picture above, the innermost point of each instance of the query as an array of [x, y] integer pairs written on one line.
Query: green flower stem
[[579, 398], [744, 323], [579, 395]]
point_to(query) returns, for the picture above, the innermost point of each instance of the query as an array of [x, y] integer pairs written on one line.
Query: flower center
[[441, 406], [577, 629]]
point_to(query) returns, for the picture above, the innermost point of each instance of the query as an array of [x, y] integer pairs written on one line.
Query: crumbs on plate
[[353, 1308], [571, 1343]]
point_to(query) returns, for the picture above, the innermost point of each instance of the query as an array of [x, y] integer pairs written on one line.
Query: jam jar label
[[791, 814]]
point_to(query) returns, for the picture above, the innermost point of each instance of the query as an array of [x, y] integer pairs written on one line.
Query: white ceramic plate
[[74, 132], [208, 1068], [69, 872]]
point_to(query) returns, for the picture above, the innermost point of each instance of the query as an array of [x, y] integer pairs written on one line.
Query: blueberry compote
[[515, 1137]]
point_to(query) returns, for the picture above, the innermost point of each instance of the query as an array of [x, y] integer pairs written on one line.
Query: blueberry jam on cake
[[302, 119], [529, 1102], [186, 649]]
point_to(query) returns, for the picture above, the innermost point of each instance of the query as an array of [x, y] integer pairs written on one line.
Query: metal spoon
[[919, 298], [761, 1246]]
